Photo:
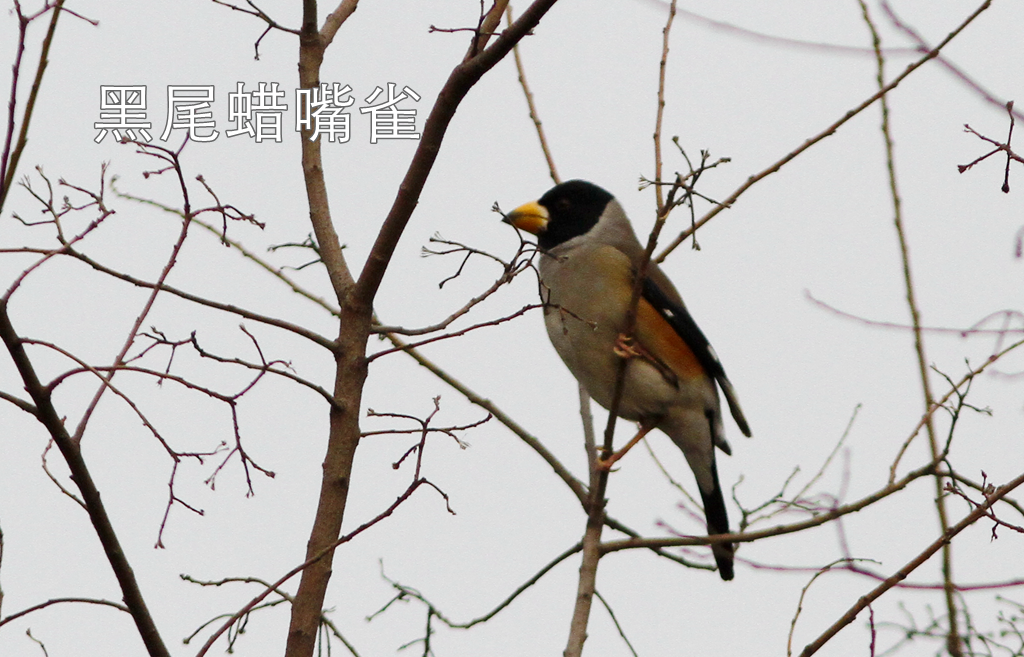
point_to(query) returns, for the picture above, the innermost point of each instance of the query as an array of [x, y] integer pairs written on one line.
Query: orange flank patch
[[662, 341]]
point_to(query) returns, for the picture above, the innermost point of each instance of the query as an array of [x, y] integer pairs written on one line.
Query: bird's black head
[[574, 207], [567, 210]]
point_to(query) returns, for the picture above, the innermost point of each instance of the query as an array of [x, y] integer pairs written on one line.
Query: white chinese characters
[[123, 109], [258, 113], [323, 111]]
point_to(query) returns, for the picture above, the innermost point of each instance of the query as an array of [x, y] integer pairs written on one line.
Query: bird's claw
[[605, 463], [626, 347]]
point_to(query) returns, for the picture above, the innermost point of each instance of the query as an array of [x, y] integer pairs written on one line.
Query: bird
[[589, 260]]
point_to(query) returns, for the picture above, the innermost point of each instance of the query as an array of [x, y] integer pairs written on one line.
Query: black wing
[[679, 318]]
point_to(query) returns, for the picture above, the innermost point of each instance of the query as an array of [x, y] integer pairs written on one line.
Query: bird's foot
[[604, 464], [627, 347]]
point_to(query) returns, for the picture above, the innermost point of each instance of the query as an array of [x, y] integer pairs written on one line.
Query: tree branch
[[830, 130], [902, 573], [71, 451]]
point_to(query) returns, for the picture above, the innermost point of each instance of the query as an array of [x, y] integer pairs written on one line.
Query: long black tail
[[718, 523]]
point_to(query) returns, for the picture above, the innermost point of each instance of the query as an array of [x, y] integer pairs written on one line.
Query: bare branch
[[922, 46], [55, 601], [262, 15], [615, 620], [902, 573], [172, 157], [800, 602], [407, 592], [313, 559], [534, 116], [830, 130], [771, 39], [510, 270], [939, 403], [20, 403], [1000, 147], [953, 638], [336, 19], [9, 160], [285, 597], [462, 78], [485, 28], [779, 530], [188, 296], [70, 449], [46, 469], [494, 322], [660, 113]]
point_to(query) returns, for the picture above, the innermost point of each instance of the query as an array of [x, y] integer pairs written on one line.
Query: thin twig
[[660, 113], [615, 620], [773, 40], [534, 116], [953, 637], [939, 404], [830, 130], [172, 259], [454, 334], [313, 559], [10, 164], [54, 601], [922, 47], [902, 573], [962, 332], [749, 536]]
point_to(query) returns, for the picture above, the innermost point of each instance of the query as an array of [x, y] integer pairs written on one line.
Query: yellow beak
[[531, 217]]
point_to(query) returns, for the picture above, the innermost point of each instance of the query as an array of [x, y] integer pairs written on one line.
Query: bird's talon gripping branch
[[606, 458], [626, 347]]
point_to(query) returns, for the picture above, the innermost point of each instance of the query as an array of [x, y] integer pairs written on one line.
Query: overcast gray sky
[[821, 226]]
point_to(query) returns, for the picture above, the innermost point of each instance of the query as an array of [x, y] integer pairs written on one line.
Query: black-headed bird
[[589, 260]]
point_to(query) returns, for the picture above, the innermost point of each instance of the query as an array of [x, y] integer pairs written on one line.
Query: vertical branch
[[12, 104], [349, 360], [356, 299], [599, 477], [8, 167], [589, 439], [533, 109], [588, 567], [949, 588], [661, 106], [586, 589], [311, 55], [1, 564]]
